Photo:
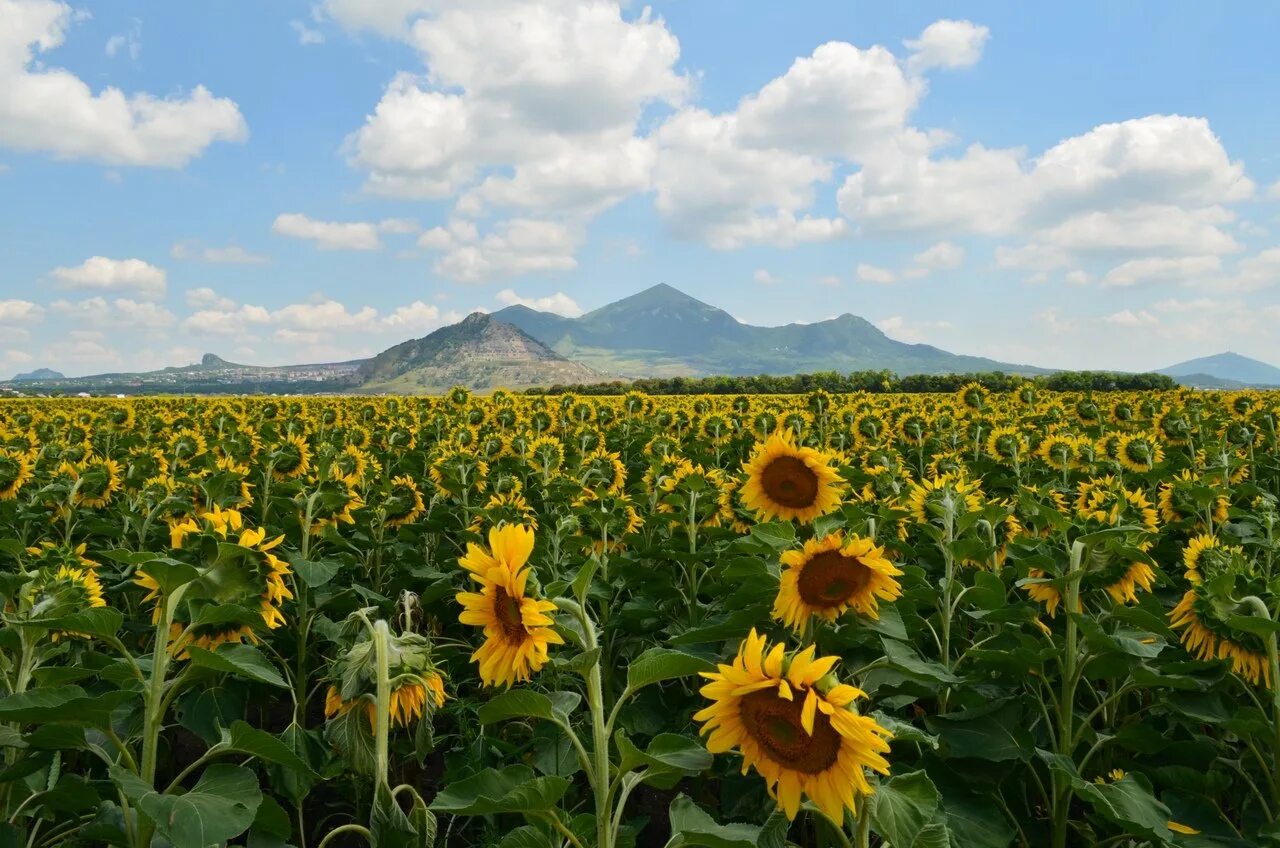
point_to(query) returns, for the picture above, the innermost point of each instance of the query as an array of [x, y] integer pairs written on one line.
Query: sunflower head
[[827, 577], [789, 482], [795, 725], [517, 628]]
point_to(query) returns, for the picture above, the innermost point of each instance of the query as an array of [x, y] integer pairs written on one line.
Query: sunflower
[[1043, 593], [403, 504], [505, 508], [1058, 450], [15, 472], [1139, 452], [291, 458], [1178, 502], [1124, 589], [96, 481], [516, 626], [795, 726], [1208, 639], [789, 482], [829, 576], [409, 700], [927, 495], [1199, 550]]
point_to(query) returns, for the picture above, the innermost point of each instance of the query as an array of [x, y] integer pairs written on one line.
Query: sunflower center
[[775, 724], [788, 481], [506, 609], [830, 579]]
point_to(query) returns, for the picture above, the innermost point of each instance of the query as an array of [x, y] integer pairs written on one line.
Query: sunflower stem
[[1066, 702], [1260, 609]]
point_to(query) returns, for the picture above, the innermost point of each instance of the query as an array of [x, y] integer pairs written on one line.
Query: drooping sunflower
[[794, 726], [829, 576], [96, 480], [1209, 639], [409, 700], [516, 626], [789, 482], [1199, 550]]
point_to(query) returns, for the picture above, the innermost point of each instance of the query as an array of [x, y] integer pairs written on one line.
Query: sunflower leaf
[[244, 660], [658, 664]]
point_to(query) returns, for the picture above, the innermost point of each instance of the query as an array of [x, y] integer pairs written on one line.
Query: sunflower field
[[975, 620]]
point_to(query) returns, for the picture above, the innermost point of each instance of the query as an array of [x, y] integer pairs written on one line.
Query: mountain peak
[[1227, 366], [212, 360]]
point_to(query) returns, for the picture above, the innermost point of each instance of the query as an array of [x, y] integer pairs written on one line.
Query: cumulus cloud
[[947, 44], [1129, 318], [108, 126], [763, 277], [328, 235], [117, 313], [20, 312], [867, 273], [104, 274], [559, 303], [514, 247]]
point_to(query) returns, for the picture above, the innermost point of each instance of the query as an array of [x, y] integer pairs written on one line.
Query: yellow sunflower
[[795, 726], [829, 576], [789, 482], [15, 472], [403, 504], [1203, 637], [516, 626]]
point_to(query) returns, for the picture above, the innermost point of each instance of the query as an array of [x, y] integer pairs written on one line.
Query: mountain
[[479, 352], [37, 375], [1231, 368], [664, 332]]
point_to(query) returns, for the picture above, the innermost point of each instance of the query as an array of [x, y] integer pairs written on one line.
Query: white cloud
[[418, 316], [1129, 318], [328, 235], [874, 274], [226, 319], [128, 42], [559, 303], [109, 126], [947, 44], [20, 312], [398, 226], [1162, 269], [943, 256], [324, 315], [206, 298], [514, 247], [763, 277], [120, 313], [230, 255], [306, 35], [103, 274], [908, 330]]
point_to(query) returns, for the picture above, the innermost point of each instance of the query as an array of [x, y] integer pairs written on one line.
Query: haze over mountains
[[659, 332]]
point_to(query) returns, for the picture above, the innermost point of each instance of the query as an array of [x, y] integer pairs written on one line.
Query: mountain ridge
[[1228, 367], [661, 331]]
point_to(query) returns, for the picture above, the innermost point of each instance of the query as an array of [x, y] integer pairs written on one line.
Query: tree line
[[865, 381]]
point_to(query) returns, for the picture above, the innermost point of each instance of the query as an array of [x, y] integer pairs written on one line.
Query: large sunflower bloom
[[789, 482], [517, 628], [829, 576], [794, 726]]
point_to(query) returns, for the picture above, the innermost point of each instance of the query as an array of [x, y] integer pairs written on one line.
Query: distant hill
[[38, 374], [479, 352], [663, 332], [1231, 369]]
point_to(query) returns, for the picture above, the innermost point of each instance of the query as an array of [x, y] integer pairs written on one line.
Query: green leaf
[[169, 573], [994, 732], [902, 657], [244, 660], [668, 758], [582, 580], [219, 807], [98, 621], [247, 739], [658, 664], [526, 703], [315, 574], [68, 704], [779, 535], [514, 789], [903, 806], [690, 825], [1129, 803]]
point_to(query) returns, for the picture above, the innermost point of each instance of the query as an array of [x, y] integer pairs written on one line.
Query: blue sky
[[1091, 185]]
